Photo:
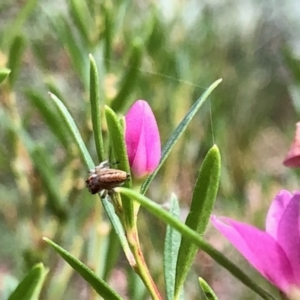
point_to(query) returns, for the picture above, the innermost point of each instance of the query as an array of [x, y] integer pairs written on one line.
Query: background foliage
[[167, 52]]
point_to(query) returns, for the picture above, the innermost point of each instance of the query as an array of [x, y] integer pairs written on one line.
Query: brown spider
[[103, 178]]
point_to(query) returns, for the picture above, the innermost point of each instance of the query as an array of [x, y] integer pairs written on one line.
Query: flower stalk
[[141, 267], [144, 151]]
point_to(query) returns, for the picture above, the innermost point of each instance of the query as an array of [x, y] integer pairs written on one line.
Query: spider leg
[[110, 192], [103, 194]]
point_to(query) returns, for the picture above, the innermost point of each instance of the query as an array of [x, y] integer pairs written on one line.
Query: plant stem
[[141, 267]]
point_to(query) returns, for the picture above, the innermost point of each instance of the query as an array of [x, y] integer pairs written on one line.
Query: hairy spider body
[[102, 178]]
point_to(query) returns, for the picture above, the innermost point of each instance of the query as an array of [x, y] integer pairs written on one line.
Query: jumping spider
[[103, 178]]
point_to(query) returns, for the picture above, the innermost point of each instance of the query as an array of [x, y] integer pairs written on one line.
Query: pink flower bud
[[142, 139]]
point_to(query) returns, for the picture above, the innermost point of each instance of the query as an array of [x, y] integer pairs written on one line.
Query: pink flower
[[142, 139], [275, 252], [292, 159]]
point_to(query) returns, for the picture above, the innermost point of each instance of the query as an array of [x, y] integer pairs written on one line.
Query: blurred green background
[[168, 53]]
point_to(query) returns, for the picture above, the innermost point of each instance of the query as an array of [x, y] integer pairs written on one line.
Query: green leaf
[[117, 140], [15, 58], [207, 290], [293, 64], [294, 92], [54, 89], [18, 22], [136, 289], [30, 287], [8, 123], [116, 135], [115, 221], [112, 253], [50, 183], [205, 192], [45, 170], [76, 50], [178, 132], [81, 18], [95, 108], [130, 77], [172, 243], [4, 72], [58, 285], [50, 116], [74, 132], [108, 34], [99, 285], [194, 237]]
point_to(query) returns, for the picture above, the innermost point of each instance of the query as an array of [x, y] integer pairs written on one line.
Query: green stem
[[117, 203], [141, 267], [194, 237]]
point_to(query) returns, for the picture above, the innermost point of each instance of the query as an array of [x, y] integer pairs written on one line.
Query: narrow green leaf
[[172, 243], [45, 170], [112, 253], [81, 18], [108, 34], [8, 123], [194, 237], [294, 92], [129, 79], [54, 89], [30, 287], [116, 135], [203, 200], [49, 179], [76, 50], [136, 289], [4, 72], [115, 221], [70, 124], [50, 116], [99, 285], [58, 285], [15, 57], [179, 130], [293, 63], [17, 26], [95, 108], [207, 290], [117, 140], [105, 202], [38, 48]]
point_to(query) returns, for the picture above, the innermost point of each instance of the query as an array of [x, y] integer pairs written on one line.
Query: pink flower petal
[[152, 142], [142, 139], [288, 235], [276, 211], [134, 116], [260, 249], [139, 162]]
